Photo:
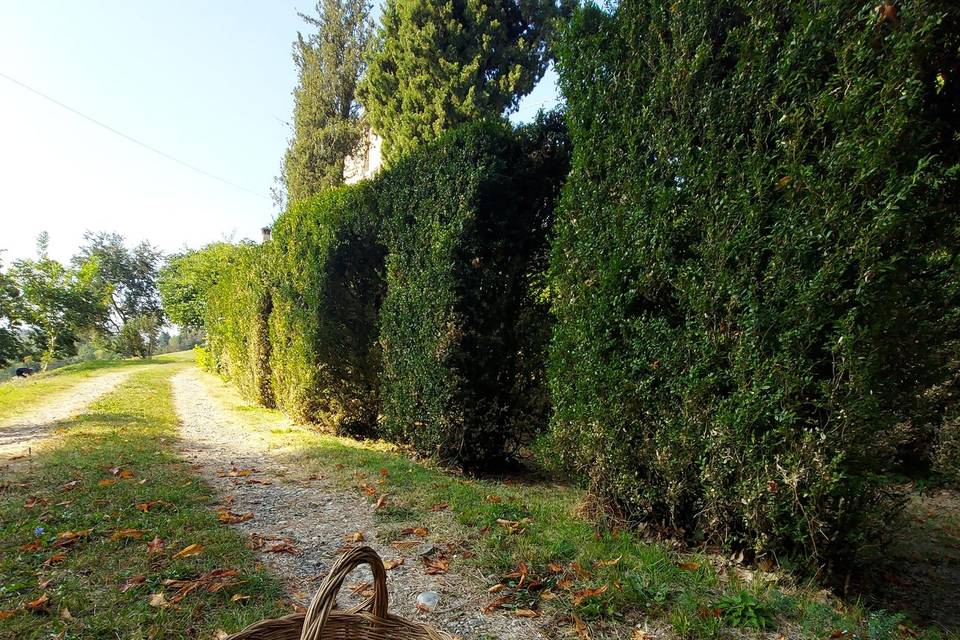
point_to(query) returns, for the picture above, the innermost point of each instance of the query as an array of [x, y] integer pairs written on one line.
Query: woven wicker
[[368, 621]]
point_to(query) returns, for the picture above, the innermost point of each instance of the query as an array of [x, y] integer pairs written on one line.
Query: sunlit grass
[[130, 430]]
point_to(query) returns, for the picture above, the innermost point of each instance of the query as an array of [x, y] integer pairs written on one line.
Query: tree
[[56, 302], [326, 120], [126, 278], [186, 279], [10, 346], [436, 64]]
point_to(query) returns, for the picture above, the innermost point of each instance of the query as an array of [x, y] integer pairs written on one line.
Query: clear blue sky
[[206, 82]]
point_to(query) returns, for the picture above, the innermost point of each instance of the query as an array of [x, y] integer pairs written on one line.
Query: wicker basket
[[368, 621]]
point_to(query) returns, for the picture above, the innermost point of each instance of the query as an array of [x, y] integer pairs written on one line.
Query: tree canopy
[[326, 120], [436, 64], [186, 279]]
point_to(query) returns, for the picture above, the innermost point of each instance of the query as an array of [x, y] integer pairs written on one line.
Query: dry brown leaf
[[583, 594], [436, 566], [400, 545], [54, 559], [497, 587], [131, 583], [65, 615], [31, 546], [525, 613], [607, 563], [237, 597], [548, 595], [121, 534], [381, 501], [39, 603], [690, 566], [421, 532], [146, 506], [229, 517], [496, 604], [282, 547], [368, 489], [493, 499], [156, 545], [440, 506], [639, 634], [106, 482], [356, 536], [158, 600], [581, 627], [8, 614], [392, 564], [189, 550], [66, 538], [125, 473]]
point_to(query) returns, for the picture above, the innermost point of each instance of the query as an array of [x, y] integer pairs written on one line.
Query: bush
[[462, 330], [753, 259], [327, 266], [238, 309]]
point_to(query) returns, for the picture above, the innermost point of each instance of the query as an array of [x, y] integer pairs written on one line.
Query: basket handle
[[326, 597]]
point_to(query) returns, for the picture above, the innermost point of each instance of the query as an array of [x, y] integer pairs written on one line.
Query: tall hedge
[[327, 272], [238, 308], [753, 260], [463, 332]]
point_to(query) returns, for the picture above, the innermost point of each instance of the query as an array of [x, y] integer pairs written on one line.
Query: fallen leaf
[[126, 473], [492, 499], [384, 473], [256, 481], [440, 506], [146, 506], [124, 534], [392, 564], [8, 614], [690, 566], [583, 594], [607, 563], [237, 597], [554, 568], [581, 627], [33, 501], [131, 583], [705, 612], [282, 547], [400, 545], [66, 538], [381, 501], [229, 517], [156, 545], [158, 600], [368, 489], [39, 603], [436, 566], [639, 634], [497, 587], [189, 550], [106, 482], [54, 559], [496, 604], [65, 615], [548, 595], [31, 546], [421, 532], [356, 536], [525, 613]]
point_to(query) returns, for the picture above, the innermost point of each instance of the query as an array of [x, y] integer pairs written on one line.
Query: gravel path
[[317, 520], [20, 434]]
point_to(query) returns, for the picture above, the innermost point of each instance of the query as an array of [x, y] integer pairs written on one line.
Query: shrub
[[238, 309], [751, 265], [327, 268], [462, 330]]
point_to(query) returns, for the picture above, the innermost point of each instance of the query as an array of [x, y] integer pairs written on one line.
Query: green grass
[[692, 595], [133, 428], [18, 394]]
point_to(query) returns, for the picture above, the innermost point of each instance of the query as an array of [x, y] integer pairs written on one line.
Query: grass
[[565, 554], [17, 394], [116, 456]]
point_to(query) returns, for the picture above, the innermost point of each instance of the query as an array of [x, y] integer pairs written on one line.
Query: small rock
[[427, 601]]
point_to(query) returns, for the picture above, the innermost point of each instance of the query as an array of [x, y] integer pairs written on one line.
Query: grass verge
[[532, 538], [90, 533], [18, 394]]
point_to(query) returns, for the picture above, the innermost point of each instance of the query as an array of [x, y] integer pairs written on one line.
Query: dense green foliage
[[435, 65], [327, 265], [753, 264], [237, 314], [186, 279], [462, 331], [55, 304], [10, 346], [326, 116]]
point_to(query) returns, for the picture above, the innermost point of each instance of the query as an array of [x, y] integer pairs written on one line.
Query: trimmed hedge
[[754, 260], [463, 333], [237, 315], [327, 263]]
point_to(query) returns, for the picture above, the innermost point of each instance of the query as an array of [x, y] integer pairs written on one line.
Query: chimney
[[266, 233]]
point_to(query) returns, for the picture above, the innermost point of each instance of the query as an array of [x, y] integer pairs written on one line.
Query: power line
[[130, 138]]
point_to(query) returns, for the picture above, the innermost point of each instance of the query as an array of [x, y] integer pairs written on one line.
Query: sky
[[205, 83]]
